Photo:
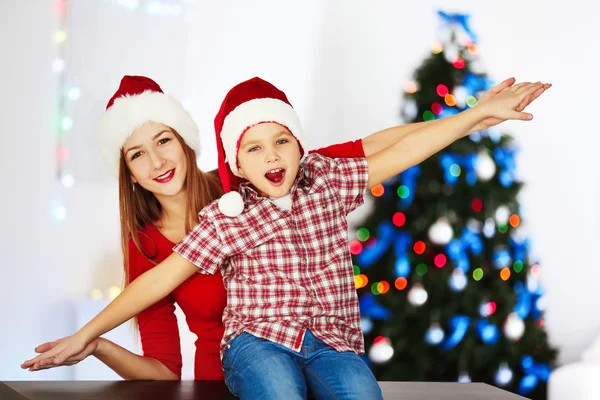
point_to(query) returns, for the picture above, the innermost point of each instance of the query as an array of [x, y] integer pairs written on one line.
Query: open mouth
[[166, 177], [275, 176]]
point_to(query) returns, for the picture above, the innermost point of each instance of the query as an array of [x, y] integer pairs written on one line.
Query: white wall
[[343, 65], [343, 68]]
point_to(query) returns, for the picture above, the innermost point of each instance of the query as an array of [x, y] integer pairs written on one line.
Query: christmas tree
[[448, 288]]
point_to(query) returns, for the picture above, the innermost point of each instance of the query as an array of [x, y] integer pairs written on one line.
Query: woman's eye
[[163, 141], [136, 155]]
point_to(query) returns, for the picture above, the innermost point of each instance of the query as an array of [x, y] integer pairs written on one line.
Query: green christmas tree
[[449, 290]]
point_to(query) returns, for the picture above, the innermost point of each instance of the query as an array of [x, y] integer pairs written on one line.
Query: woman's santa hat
[[137, 101], [249, 103]]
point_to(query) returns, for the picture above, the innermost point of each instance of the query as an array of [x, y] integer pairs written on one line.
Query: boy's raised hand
[[504, 85], [509, 103]]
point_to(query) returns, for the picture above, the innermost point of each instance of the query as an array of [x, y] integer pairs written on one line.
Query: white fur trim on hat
[[128, 113], [231, 204], [254, 112]]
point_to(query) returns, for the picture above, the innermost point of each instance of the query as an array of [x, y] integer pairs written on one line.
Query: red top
[[202, 299]]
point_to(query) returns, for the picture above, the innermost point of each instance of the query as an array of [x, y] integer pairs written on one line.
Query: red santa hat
[[137, 101], [249, 103]]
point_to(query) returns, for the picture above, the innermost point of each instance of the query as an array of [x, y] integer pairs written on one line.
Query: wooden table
[[184, 390]]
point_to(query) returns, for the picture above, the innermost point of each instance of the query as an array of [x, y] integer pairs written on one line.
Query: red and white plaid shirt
[[288, 271]]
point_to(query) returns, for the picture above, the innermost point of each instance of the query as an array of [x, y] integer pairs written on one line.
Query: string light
[[401, 283], [442, 90], [410, 87], [419, 247], [399, 219], [440, 260], [363, 234], [450, 100], [378, 190], [436, 108], [518, 266], [514, 220], [403, 191], [437, 47], [356, 247], [459, 63], [477, 205], [65, 123], [421, 269]]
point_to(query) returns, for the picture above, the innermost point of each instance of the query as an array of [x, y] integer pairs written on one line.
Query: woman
[[151, 142]]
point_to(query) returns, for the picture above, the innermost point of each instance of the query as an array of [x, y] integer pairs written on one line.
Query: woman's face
[[156, 159]]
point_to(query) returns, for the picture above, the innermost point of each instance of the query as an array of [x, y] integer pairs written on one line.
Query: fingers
[[519, 86], [49, 363], [522, 116], [42, 348], [502, 85]]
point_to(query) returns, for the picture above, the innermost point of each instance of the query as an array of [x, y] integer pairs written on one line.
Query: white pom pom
[[231, 204]]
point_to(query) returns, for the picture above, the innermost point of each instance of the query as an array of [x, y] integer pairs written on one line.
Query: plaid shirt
[[288, 271]]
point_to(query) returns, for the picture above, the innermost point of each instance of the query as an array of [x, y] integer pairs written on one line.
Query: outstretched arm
[[127, 365], [381, 140], [425, 142], [146, 290]]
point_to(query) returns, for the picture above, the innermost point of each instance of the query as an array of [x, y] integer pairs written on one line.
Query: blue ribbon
[[465, 161], [370, 255], [505, 158], [501, 258], [408, 178], [533, 373], [526, 301], [402, 243], [447, 111], [520, 249], [459, 324], [458, 19], [476, 83], [488, 332], [457, 248], [370, 308]]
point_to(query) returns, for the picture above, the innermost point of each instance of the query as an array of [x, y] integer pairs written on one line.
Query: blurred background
[[347, 67]]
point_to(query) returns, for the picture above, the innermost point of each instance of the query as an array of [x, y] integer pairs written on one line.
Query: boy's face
[[269, 157]]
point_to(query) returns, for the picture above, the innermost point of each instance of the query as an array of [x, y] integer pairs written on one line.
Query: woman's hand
[[66, 351]]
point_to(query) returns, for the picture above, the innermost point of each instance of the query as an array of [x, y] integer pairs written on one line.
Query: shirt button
[[324, 206], [313, 293], [304, 260]]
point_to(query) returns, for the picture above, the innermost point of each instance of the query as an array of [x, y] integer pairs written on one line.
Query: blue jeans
[[256, 368]]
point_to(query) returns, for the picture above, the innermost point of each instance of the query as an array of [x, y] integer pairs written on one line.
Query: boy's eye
[[282, 141], [255, 148]]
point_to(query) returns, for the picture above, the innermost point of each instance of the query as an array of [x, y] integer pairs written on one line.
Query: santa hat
[[137, 101], [249, 103]]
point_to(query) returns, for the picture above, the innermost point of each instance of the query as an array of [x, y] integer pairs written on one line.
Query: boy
[[292, 320]]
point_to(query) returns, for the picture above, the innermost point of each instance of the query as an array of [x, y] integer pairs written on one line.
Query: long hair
[[138, 207]]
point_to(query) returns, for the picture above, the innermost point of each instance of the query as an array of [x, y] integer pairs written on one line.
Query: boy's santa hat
[[137, 101], [249, 103]]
